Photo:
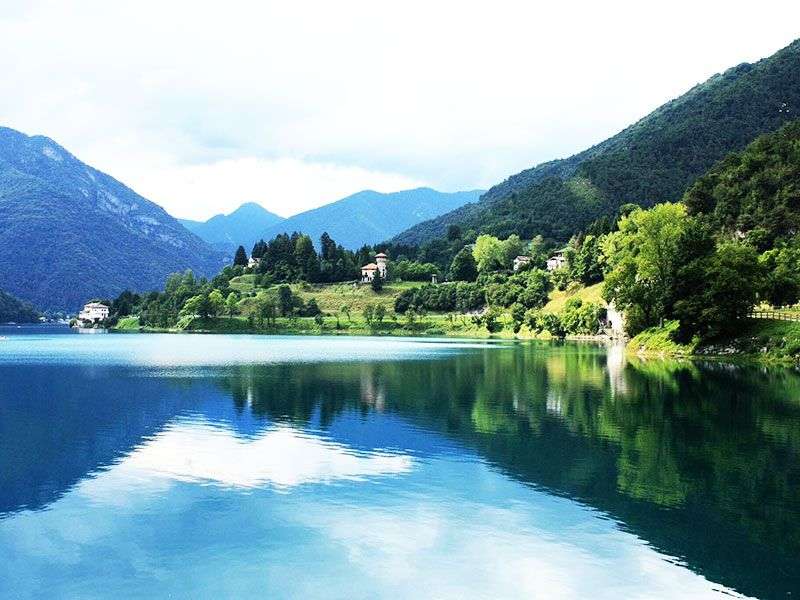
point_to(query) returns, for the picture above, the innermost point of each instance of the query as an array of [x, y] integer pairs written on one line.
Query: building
[[253, 262], [93, 312], [521, 261], [379, 266], [556, 261]]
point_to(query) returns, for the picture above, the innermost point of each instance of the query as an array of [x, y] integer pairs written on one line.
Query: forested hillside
[[15, 310], [69, 233], [653, 160]]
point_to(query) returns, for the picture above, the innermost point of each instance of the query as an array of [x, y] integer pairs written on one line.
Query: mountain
[[654, 160], [370, 217], [16, 310], [69, 233], [244, 226]]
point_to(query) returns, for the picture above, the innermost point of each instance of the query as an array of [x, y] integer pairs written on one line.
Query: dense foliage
[[754, 194], [653, 160]]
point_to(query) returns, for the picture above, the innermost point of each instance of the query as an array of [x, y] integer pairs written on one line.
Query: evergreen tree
[[377, 282], [241, 257]]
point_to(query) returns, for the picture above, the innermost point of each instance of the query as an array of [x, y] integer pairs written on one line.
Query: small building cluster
[[93, 312], [379, 266], [253, 262], [556, 261], [521, 261]]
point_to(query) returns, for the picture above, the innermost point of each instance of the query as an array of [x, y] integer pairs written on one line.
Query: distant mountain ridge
[[656, 159], [370, 217], [69, 232], [244, 226]]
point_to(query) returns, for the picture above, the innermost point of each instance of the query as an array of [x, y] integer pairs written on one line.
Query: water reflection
[[488, 471]]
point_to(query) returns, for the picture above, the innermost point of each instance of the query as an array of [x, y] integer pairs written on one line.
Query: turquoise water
[[301, 467]]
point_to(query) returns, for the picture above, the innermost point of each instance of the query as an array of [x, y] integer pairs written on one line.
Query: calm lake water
[[301, 467]]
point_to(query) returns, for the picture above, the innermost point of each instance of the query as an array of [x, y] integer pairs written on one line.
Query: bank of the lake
[[762, 340]]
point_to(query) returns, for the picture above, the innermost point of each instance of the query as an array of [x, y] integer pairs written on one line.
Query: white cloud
[[285, 185], [280, 456], [456, 95]]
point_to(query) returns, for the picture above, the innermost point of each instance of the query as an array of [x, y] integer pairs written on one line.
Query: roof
[[381, 255], [370, 267], [520, 257], [94, 305]]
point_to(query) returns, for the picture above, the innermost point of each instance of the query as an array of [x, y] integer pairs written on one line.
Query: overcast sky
[[294, 104]]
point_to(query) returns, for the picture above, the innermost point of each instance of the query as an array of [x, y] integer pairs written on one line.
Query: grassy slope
[[765, 339], [559, 298]]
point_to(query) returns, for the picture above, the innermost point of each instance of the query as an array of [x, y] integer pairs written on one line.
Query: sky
[[203, 106]]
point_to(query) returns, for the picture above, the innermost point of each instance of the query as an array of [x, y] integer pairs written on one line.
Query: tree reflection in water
[[701, 460]]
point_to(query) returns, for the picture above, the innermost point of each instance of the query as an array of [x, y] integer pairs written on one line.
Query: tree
[[511, 247], [488, 253], [345, 310], [240, 258], [216, 303], [585, 265], [453, 233], [782, 268], [369, 314], [643, 260], [380, 313], [463, 267], [726, 287], [267, 310], [285, 300], [517, 316], [230, 303], [327, 247], [312, 308], [377, 282]]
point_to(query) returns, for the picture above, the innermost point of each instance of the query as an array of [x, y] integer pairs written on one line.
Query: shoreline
[[704, 353]]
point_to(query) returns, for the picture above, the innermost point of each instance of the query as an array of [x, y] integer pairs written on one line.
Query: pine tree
[[377, 282], [241, 257]]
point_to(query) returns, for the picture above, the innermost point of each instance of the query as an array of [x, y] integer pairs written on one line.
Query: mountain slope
[[370, 217], [653, 160], [15, 310], [244, 226], [69, 232]]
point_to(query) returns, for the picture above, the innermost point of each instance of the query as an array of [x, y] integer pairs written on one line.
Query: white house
[[93, 312], [556, 261], [379, 266], [253, 262], [521, 261]]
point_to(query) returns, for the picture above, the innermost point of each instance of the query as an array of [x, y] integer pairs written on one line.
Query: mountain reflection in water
[[555, 458]]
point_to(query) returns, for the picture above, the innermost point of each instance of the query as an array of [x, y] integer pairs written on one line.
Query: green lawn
[[331, 296]]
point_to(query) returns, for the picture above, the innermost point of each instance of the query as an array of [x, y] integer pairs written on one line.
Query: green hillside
[[15, 310], [653, 160]]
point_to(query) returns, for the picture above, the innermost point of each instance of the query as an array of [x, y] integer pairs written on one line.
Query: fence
[[777, 316]]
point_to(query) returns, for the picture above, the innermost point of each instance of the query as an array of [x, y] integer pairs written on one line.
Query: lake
[[320, 467]]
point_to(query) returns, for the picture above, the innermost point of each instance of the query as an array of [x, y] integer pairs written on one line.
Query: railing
[[774, 315]]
